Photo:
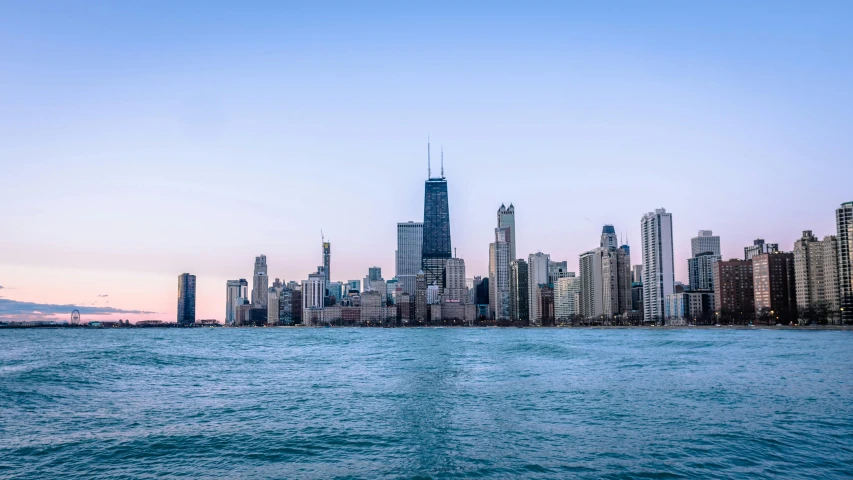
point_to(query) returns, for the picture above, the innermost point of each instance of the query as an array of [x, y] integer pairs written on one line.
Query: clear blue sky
[[139, 140]]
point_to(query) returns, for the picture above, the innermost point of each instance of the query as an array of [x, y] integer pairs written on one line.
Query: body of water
[[404, 403]]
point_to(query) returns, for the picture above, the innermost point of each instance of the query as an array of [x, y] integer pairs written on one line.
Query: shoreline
[[599, 327]]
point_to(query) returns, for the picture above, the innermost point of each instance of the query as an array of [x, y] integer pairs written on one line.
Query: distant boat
[[327, 326]]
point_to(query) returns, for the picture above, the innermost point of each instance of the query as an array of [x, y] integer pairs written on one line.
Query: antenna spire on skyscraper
[[442, 161], [429, 166]]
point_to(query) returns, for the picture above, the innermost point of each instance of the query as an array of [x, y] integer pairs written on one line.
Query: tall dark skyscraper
[[186, 299], [436, 234], [327, 260]]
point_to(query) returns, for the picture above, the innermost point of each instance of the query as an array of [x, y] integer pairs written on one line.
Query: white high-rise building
[[706, 241], [260, 282], [499, 261], [591, 300], [410, 237], [816, 274], [506, 219], [313, 291], [537, 275], [235, 290], [566, 297], [658, 263]]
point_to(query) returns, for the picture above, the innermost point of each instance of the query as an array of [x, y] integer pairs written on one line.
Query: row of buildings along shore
[[813, 284]]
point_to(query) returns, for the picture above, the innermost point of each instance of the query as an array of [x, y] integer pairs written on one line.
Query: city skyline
[[128, 149]]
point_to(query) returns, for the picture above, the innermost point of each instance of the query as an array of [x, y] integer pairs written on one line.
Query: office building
[[186, 299], [608, 237], [680, 308], [408, 255], [637, 274], [421, 316], [566, 297], [499, 288], [637, 297], [313, 298], [700, 270], [558, 270], [260, 282], [374, 273], [273, 307], [436, 236], [591, 299], [658, 263], [482, 294], [506, 219], [537, 268], [773, 284], [352, 286], [706, 241], [844, 225], [615, 280], [456, 290], [758, 247], [433, 294], [519, 295], [235, 289], [734, 294]]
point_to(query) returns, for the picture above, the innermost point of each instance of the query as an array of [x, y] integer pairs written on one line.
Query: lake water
[[404, 403]]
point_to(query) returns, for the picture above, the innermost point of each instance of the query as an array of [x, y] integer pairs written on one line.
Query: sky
[[140, 140]]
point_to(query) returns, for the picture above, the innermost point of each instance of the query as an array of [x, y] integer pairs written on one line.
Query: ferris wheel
[[75, 317]]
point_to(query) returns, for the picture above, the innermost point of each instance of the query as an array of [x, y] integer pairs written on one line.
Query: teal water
[[404, 403]]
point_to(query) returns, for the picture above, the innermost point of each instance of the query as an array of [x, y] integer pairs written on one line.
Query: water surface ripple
[[426, 403]]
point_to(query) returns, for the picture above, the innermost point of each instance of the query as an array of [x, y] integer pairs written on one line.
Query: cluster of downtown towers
[[813, 283]]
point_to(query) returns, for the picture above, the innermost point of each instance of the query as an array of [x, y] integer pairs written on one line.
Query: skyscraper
[[734, 296], [327, 261], [260, 282], [616, 280], [186, 299], [816, 275], [456, 290], [313, 301], [374, 273], [608, 237], [499, 288], [773, 283], [537, 275], [421, 298], [566, 296], [506, 219], [591, 287], [519, 296], [700, 271], [408, 256], [235, 289], [844, 224], [658, 263], [706, 241], [637, 274], [436, 236]]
